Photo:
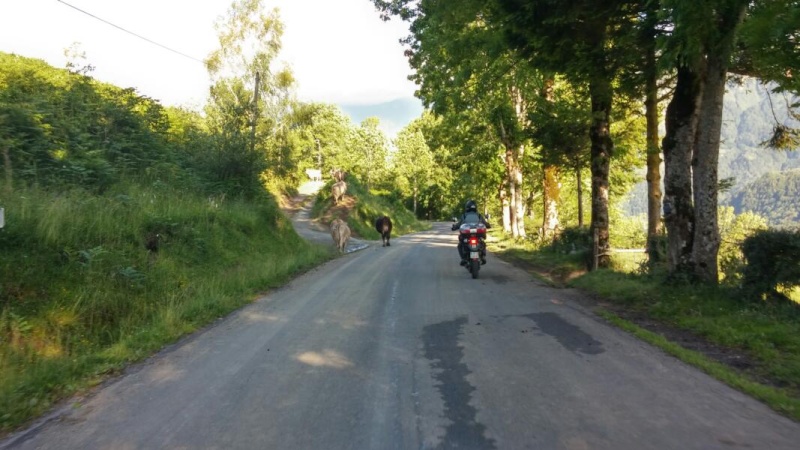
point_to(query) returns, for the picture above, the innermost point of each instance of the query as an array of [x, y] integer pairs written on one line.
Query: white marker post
[[2, 217]]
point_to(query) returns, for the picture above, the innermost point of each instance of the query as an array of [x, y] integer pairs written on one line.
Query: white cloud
[[340, 51]]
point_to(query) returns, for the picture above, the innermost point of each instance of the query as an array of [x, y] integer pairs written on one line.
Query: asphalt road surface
[[398, 348]]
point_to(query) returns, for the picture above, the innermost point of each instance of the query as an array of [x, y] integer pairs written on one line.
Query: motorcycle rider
[[471, 215]]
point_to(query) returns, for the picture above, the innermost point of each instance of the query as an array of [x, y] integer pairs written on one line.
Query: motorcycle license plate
[[474, 255]]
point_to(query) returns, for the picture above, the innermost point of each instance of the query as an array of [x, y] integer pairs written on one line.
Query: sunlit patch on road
[[164, 373], [342, 320], [328, 358], [258, 317]]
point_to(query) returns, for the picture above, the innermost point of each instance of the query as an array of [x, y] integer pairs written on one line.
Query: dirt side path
[[298, 209]]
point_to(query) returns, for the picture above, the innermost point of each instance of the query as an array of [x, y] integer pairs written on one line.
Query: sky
[[340, 51]]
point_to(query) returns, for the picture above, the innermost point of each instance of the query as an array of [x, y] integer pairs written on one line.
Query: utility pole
[[255, 114]]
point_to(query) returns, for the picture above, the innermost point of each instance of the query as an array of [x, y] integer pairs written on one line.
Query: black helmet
[[470, 206]]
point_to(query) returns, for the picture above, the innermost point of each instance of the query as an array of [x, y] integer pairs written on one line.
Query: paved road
[[398, 348]]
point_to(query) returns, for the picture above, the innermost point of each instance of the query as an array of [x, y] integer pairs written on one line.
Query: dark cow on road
[[384, 227]]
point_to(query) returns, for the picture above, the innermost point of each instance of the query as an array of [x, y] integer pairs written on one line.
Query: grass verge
[[752, 346], [89, 284], [779, 399]]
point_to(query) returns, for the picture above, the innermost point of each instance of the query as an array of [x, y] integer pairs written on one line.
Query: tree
[[412, 161], [369, 152], [702, 43], [244, 81], [559, 124], [323, 134], [436, 200], [576, 38], [462, 65]]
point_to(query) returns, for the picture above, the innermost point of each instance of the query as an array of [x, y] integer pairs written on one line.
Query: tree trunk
[[706, 155], [513, 186], [678, 145], [602, 149], [415, 198], [519, 198], [653, 156], [579, 180], [506, 210], [552, 192]]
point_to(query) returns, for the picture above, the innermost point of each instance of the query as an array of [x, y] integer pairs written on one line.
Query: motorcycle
[[473, 238]]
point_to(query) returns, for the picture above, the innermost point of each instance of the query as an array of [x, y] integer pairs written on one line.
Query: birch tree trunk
[[506, 210], [552, 192], [415, 197], [511, 190], [519, 198]]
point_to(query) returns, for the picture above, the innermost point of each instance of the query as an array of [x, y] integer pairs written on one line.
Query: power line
[[131, 32]]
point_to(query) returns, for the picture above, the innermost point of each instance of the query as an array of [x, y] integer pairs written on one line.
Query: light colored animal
[[340, 233], [314, 174], [337, 191], [338, 174]]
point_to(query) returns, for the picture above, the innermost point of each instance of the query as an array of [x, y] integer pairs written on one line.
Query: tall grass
[[90, 283]]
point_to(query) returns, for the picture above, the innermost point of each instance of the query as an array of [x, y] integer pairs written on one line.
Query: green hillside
[[775, 196], [360, 209], [127, 226]]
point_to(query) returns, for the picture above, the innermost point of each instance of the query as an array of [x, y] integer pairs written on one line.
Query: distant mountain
[[775, 196], [394, 115], [749, 116], [748, 119]]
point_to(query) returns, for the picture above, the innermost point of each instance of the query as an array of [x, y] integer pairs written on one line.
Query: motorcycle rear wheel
[[475, 267]]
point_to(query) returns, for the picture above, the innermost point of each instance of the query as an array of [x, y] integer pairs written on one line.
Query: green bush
[[734, 229], [773, 263]]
